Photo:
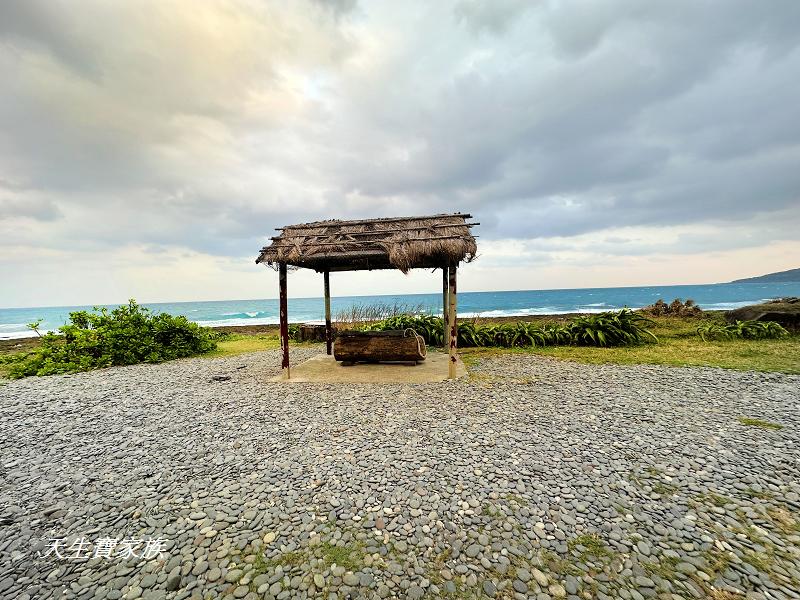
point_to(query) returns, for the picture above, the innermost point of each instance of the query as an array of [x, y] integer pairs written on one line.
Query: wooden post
[[445, 302], [328, 333], [284, 318], [453, 322]]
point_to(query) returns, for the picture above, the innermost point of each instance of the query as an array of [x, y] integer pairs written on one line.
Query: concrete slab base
[[325, 369]]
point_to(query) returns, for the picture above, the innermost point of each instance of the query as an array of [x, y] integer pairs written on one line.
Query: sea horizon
[[610, 287], [508, 303]]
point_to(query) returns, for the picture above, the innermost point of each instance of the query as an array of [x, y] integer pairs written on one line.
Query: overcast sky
[[148, 149]]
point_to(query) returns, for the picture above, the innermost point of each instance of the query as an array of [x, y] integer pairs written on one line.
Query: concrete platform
[[325, 369]]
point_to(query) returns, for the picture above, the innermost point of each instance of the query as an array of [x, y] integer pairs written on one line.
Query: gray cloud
[[30, 208], [544, 120], [491, 17]]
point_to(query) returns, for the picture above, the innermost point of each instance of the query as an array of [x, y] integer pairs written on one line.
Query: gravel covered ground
[[533, 479]]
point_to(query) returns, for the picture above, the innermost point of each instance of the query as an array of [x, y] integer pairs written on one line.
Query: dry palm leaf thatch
[[396, 243]]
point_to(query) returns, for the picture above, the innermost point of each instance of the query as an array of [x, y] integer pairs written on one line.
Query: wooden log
[[376, 346], [453, 321], [312, 333], [284, 319]]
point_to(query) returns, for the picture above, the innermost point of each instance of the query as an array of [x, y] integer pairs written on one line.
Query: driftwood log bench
[[312, 332], [379, 346]]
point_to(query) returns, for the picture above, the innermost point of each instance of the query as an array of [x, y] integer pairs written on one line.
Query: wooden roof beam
[[337, 223]]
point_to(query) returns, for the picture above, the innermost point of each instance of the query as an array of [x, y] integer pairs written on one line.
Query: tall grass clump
[[622, 328], [742, 330], [125, 335], [359, 315]]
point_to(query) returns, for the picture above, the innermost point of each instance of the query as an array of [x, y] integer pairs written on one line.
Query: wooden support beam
[[453, 321], [445, 302], [326, 275], [284, 319]]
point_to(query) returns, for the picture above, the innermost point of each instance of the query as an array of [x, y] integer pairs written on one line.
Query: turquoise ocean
[[722, 296]]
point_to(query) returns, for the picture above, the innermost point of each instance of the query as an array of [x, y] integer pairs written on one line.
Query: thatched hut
[[404, 243]]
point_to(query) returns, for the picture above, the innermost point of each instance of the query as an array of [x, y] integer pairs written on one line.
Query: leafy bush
[[746, 330], [504, 335], [621, 328], [429, 327], [605, 329], [125, 335]]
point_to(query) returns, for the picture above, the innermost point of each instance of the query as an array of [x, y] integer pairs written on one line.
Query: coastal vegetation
[[679, 338], [676, 308], [620, 328], [356, 316], [680, 345], [747, 330], [126, 335]]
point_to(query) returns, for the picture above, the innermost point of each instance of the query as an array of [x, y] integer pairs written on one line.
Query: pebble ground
[[534, 478]]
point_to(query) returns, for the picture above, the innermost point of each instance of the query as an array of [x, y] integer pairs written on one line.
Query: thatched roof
[[398, 243]]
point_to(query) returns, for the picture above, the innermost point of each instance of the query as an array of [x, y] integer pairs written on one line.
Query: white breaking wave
[[524, 312], [233, 322], [18, 335], [727, 305]]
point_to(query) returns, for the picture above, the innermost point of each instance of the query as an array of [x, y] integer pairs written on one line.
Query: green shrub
[[621, 328], [676, 308], [125, 335], [504, 335], [606, 329], [746, 330], [428, 326]]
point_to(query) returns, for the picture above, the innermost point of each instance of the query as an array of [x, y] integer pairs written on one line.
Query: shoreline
[[22, 344]]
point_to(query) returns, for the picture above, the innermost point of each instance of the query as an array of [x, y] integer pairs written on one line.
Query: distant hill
[[782, 276]]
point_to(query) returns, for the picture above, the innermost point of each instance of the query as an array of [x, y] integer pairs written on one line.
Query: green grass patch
[[763, 561], [783, 520], [515, 499], [558, 565], [761, 495], [349, 556], [713, 499], [717, 560], [287, 559], [657, 484], [664, 568], [590, 545], [664, 489], [781, 356], [233, 344], [678, 345], [759, 423]]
